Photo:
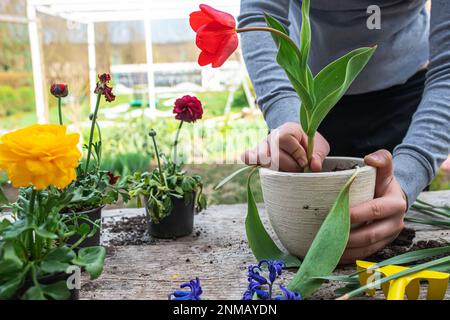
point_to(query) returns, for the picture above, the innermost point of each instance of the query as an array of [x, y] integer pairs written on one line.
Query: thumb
[[382, 161]]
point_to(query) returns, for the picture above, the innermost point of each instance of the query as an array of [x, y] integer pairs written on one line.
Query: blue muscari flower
[[194, 293], [275, 268], [288, 295]]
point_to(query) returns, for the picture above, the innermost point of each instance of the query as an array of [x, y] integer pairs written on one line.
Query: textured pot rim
[[365, 168]]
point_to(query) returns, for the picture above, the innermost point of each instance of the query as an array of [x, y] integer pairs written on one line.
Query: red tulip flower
[[188, 109], [216, 35]]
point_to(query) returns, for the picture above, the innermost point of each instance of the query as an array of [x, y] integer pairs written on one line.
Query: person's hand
[[284, 149], [382, 216]]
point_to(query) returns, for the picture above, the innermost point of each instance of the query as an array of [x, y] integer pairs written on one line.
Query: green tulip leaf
[[334, 80], [328, 246], [290, 58], [260, 242]]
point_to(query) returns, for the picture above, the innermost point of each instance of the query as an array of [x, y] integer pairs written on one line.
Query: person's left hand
[[382, 217]]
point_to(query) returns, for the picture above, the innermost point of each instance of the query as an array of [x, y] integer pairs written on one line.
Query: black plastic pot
[[93, 215], [50, 279], [179, 223]]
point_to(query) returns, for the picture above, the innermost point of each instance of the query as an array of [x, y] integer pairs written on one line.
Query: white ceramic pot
[[297, 203]]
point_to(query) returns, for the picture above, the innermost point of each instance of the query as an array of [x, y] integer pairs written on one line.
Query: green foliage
[[437, 215], [328, 246], [32, 246], [92, 190], [159, 193], [318, 94]]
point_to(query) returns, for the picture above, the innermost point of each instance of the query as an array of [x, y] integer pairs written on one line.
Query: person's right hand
[[285, 149]]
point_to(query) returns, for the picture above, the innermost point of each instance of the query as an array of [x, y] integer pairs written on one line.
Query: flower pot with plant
[[308, 211], [35, 261], [93, 188], [170, 194], [297, 203]]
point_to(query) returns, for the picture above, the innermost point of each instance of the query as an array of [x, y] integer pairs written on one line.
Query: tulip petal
[[198, 19], [211, 36], [221, 17], [205, 58], [228, 47]]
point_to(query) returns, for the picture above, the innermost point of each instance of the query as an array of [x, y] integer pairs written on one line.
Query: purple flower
[[260, 288], [194, 293], [288, 295], [275, 268], [254, 274]]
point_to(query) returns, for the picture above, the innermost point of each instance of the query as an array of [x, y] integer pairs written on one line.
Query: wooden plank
[[217, 253]]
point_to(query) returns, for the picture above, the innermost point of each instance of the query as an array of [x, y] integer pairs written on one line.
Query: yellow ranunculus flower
[[40, 155]]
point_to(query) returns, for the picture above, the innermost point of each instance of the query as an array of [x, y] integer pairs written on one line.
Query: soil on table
[[132, 231], [404, 243]]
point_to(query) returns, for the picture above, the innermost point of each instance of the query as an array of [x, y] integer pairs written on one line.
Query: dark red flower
[[216, 35], [188, 109], [59, 90], [112, 178], [104, 87]]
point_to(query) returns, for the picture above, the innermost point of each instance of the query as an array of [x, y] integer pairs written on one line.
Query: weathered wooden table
[[217, 253]]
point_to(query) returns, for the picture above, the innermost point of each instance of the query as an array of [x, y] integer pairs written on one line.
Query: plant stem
[[310, 153], [32, 201], [161, 174], [175, 143], [99, 154], [60, 110], [32, 234], [91, 134], [271, 30]]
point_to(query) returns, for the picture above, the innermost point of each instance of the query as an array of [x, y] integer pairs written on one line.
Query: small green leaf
[[57, 260], [92, 259], [44, 233], [259, 240], [3, 198], [34, 293], [56, 291], [9, 287], [231, 176], [328, 246]]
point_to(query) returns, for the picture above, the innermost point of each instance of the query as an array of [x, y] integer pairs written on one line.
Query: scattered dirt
[[403, 244], [129, 231]]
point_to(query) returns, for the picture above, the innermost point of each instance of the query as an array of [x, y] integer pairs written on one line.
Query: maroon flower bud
[[104, 87], [59, 90], [188, 108], [112, 178]]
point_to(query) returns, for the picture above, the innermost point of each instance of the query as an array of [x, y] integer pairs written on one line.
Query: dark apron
[[361, 124]]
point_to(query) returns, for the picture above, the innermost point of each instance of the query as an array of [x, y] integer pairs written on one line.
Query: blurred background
[[149, 48]]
